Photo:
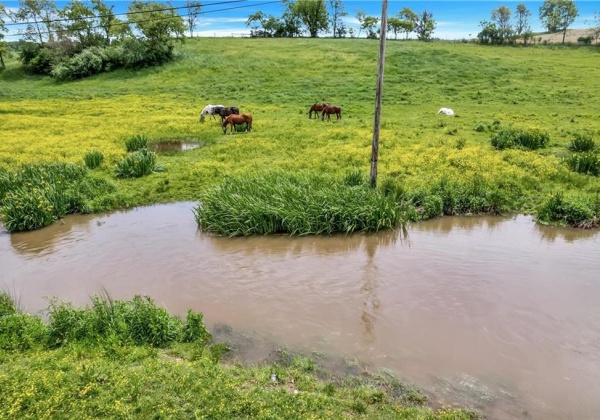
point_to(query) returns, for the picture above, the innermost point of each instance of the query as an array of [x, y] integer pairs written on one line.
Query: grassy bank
[[547, 89], [133, 359]]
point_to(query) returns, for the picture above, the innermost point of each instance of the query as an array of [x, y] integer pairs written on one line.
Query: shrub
[[511, 138], [584, 163], [19, 332], [296, 205], [576, 211], [136, 143], [582, 143], [87, 63], [93, 159], [137, 164]]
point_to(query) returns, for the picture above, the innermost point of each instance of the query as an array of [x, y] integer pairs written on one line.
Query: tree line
[[555, 16], [314, 17], [81, 39]]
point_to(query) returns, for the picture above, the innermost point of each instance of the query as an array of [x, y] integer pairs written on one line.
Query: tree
[[108, 23], [193, 11], [522, 27], [596, 28], [425, 26], [337, 11], [154, 22], [360, 16], [501, 17], [408, 20], [395, 26], [489, 33], [369, 25], [290, 22], [3, 45], [557, 15], [37, 16], [81, 24], [254, 18], [313, 14]]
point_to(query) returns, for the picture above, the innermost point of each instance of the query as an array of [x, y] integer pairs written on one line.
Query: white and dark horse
[[210, 110]]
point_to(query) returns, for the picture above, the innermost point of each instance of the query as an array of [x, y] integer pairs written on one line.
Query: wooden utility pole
[[378, 93]]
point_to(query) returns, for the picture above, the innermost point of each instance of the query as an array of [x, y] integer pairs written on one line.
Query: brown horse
[[316, 108], [337, 110], [235, 119]]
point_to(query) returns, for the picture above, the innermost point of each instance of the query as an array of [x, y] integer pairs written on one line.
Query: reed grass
[[137, 164], [135, 143], [93, 159], [583, 143], [278, 203]]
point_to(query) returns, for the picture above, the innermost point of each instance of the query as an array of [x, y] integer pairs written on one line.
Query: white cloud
[[222, 20]]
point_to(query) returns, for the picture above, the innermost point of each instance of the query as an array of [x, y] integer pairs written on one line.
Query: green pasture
[[547, 88]]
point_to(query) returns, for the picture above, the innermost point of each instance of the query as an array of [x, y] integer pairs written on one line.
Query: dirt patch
[[571, 36]]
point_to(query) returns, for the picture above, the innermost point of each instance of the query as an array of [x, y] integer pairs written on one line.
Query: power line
[[118, 14], [149, 20]]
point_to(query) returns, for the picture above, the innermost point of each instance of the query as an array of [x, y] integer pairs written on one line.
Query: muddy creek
[[496, 313]]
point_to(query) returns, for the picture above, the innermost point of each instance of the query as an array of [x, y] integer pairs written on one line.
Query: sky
[[455, 19]]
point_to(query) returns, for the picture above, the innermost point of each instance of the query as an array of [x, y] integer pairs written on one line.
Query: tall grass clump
[[573, 210], [135, 143], [582, 143], [584, 163], [34, 196], [93, 159], [138, 322], [448, 197], [137, 164], [516, 138], [297, 205]]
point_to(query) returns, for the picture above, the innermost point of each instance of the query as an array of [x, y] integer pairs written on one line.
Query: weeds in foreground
[[582, 143], [587, 163], [99, 371]]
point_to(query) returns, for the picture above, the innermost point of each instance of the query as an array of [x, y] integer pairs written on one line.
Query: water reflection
[[551, 234], [449, 224]]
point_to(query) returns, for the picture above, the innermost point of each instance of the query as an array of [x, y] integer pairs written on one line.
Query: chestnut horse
[[227, 111], [337, 110], [316, 108], [235, 119]]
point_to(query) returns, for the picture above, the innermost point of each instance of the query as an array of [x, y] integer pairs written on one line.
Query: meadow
[[551, 89]]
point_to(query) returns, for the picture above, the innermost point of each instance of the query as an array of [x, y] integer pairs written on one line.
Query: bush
[[7, 305], [20, 332], [296, 205], [136, 143], [194, 329], [87, 63], [584, 163], [511, 138], [93, 159], [137, 164], [29, 209], [575, 211], [582, 143]]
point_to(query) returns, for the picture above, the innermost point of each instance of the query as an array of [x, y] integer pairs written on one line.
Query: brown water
[[496, 313], [174, 146]]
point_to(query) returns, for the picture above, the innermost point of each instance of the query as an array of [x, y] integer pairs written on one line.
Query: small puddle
[[174, 146]]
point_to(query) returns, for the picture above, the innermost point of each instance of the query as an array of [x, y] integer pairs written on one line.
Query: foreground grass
[[277, 80], [132, 359]]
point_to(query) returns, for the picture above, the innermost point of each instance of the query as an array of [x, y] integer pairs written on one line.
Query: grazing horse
[[316, 108], [227, 111], [329, 109], [210, 110], [235, 119]]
